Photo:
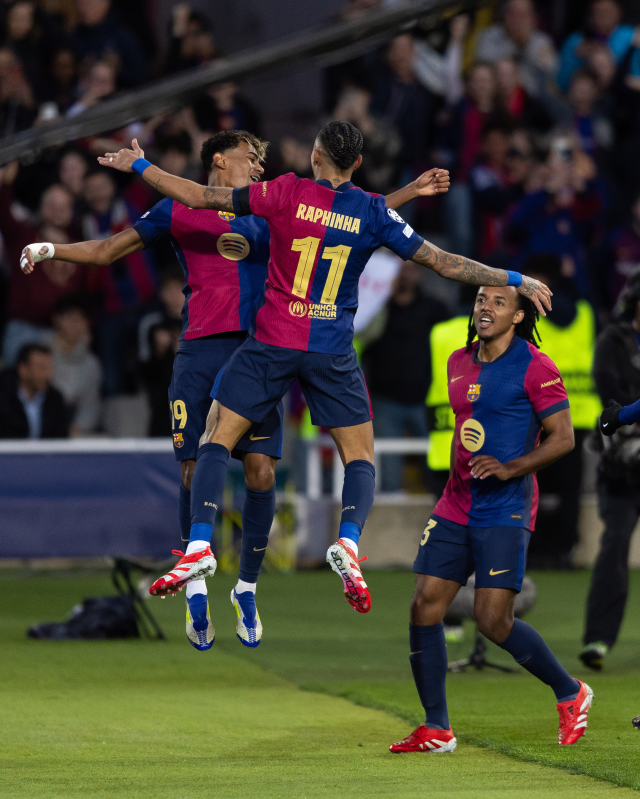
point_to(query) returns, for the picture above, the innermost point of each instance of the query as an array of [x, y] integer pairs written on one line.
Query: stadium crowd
[[535, 114]]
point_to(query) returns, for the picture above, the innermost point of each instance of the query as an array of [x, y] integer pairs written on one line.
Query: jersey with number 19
[[321, 240]]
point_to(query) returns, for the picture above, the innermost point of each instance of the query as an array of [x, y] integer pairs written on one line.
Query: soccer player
[[503, 391], [322, 235], [224, 259]]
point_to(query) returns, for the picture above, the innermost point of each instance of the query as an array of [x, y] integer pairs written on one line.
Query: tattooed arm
[[191, 194], [464, 270]]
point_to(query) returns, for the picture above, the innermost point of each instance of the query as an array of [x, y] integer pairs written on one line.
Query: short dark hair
[[343, 142], [544, 263], [27, 350], [71, 302], [171, 274], [228, 140]]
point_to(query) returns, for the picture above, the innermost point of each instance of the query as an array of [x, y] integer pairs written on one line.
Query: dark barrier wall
[[88, 505]]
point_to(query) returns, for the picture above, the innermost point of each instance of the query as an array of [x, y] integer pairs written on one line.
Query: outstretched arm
[[98, 253], [435, 181], [559, 441], [191, 194], [464, 270]]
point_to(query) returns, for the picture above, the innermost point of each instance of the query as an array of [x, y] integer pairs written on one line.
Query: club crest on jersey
[[474, 392], [297, 308], [226, 216], [233, 246], [178, 441]]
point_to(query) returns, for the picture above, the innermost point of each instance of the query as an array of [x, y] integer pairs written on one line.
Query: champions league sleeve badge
[[474, 392]]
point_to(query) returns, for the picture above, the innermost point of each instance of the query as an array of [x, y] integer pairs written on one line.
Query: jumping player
[[322, 235], [503, 391], [224, 259]]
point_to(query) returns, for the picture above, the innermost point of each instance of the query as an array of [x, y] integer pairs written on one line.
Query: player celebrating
[[322, 235], [503, 390], [224, 259]]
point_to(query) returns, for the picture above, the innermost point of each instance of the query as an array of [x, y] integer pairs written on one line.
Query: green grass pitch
[[310, 713]]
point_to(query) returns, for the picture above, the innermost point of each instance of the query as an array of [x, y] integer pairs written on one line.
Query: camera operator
[[616, 372]]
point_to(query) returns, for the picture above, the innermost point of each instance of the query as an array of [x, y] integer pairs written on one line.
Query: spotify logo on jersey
[[472, 435], [233, 246]]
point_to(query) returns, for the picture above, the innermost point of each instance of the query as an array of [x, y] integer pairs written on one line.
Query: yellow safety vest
[[571, 349], [445, 338]]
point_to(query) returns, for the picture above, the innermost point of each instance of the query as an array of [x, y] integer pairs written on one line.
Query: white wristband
[[35, 252]]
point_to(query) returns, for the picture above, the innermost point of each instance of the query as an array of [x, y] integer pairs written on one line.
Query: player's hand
[[487, 466], [123, 159], [609, 421], [537, 292], [33, 253], [435, 181]]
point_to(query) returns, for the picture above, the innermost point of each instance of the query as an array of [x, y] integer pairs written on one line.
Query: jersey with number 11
[[321, 240]]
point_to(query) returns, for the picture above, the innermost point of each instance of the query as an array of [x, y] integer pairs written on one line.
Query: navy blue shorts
[[498, 555], [195, 368], [259, 375]]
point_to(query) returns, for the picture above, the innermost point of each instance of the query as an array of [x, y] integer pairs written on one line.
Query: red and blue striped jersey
[[498, 407], [321, 240], [224, 259]]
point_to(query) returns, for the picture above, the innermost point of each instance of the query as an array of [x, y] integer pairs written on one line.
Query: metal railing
[[381, 446]]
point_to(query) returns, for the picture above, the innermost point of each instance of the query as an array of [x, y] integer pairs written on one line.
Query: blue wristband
[[140, 164], [515, 278]]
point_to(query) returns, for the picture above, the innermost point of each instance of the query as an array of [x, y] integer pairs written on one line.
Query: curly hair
[[526, 329], [343, 141], [228, 140]]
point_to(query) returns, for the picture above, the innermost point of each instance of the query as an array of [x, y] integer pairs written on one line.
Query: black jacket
[[13, 419], [616, 364]]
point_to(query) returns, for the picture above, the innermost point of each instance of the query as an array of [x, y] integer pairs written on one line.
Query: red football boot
[[190, 567], [573, 715], [344, 562], [424, 739]]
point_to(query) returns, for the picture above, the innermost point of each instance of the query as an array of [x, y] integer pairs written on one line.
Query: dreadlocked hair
[[343, 141], [527, 329]]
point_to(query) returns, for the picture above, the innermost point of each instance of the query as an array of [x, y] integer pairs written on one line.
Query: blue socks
[[357, 498], [184, 514], [528, 648], [257, 517], [207, 488], [429, 666]]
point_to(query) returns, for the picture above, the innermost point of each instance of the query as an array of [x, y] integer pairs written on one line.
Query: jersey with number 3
[[321, 240]]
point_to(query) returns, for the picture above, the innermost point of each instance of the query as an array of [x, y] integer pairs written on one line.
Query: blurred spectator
[[518, 37], [60, 82], [77, 373], [561, 217], [32, 297], [158, 341], [126, 285], [25, 39], [72, 172], [398, 366], [29, 406], [17, 110], [603, 28], [223, 108], [442, 74], [523, 109], [403, 103], [192, 42], [592, 128], [100, 83], [99, 37], [491, 192], [620, 259], [295, 157], [603, 66], [381, 142], [461, 140]]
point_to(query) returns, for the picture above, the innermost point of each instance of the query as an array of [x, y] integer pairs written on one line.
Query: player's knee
[[259, 473], [186, 472], [426, 609], [494, 625]]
